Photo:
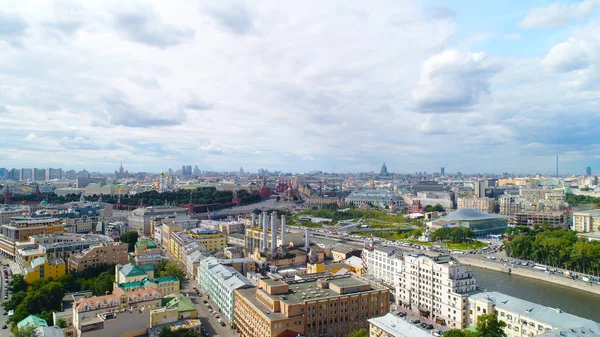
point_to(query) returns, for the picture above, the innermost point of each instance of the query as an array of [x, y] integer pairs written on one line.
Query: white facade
[[381, 262], [436, 286]]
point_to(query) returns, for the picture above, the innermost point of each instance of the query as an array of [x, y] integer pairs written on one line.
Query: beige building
[[102, 254], [436, 286], [140, 218], [483, 204], [508, 205], [588, 221], [8, 212], [334, 306], [530, 218], [392, 326], [19, 229]]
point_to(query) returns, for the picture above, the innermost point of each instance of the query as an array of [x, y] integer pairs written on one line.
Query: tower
[[557, 166], [265, 218], [273, 233], [384, 171], [588, 171], [283, 222]]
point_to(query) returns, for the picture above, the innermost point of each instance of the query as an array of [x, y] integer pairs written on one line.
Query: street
[[209, 321], [3, 318]]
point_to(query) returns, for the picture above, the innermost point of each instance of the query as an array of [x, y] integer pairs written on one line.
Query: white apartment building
[[586, 221], [381, 262], [509, 205], [436, 286], [526, 319], [482, 204]]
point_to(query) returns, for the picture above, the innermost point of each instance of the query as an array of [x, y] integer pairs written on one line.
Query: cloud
[[143, 25], [558, 15], [231, 16], [196, 103], [440, 12], [12, 28], [31, 137], [453, 81], [121, 112], [568, 56]]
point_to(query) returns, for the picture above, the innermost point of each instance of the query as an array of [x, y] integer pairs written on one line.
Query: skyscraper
[[588, 171], [442, 171], [384, 171]]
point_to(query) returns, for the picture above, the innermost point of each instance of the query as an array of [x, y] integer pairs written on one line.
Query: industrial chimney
[[306, 239], [253, 219], [264, 228], [283, 231], [273, 233]]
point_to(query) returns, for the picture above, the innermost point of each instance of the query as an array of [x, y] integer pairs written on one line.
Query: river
[[573, 301]]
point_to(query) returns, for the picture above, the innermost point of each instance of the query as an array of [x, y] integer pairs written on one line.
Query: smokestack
[[306, 239], [273, 233], [282, 230], [253, 219], [264, 228]]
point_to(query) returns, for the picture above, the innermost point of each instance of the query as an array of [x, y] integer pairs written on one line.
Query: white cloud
[[452, 81], [31, 137], [558, 14]]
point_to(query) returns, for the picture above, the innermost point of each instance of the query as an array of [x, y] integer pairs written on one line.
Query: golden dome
[[162, 173]]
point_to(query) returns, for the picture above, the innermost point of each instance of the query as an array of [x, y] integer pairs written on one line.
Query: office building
[[26, 174], [479, 222], [480, 186], [436, 287], [588, 171], [586, 221], [104, 254], [524, 318], [443, 172], [7, 212], [45, 268], [487, 205], [140, 218], [219, 282], [332, 306], [20, 228], [54, 174], [393, 326]]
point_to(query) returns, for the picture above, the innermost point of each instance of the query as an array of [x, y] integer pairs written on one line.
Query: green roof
[[32, 320], [145, 241], [143, 283], [182, 303]]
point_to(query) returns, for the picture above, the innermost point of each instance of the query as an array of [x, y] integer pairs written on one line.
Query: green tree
[[166, 332], [171, 269], [61, 323], [457, 333], [26, 331], [359, 333], [489, 326], [17, 283], [130, 238]]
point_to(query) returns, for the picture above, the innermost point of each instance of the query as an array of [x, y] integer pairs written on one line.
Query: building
[[374, 197], [332, 306], [487, 205], [588, 171], [236, 239], [343, 252], [229, 227], [82, 182], [479, 222], [381, 262], [219, 282], [54, 174], [393, 326], [530, 218], [131, 272], [586, 221], [524, 318], [32, 320], [442, 172], [7, 212], [49, 331], [45, 268], [508, 205], [104, 254], [140, 218], [145, 245], [210, 240], [19, 229], [480, 186], [436, 287], [165, 285]]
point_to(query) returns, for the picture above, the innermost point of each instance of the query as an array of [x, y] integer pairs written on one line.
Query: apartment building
[[508, 205], [44, 268], [219, 282], [20, 228], [7, 212], [103, 254], [393, 326], [209, 240], [381, 262], [140, 218], [436, 287], [487, 205], [586, 221], [524, 318], [333, 306]]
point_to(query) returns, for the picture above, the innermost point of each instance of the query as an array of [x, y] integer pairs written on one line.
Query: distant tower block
[[265, 225], [273, 233]]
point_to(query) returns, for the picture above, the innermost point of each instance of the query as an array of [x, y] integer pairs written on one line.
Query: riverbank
[[528, 272]]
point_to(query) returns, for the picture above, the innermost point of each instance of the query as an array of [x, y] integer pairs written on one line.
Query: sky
[[336, 86]]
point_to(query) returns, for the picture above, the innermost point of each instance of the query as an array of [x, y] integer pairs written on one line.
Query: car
[[205, 302], [429, 326], [5, 326], [5, 313], [415, 321]]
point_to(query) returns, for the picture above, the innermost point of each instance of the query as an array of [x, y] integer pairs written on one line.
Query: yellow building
[[333, 268], [208, 240], [44, 268], [21, 228]]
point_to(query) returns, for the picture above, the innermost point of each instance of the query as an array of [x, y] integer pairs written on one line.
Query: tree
[[61, 323], [130, 238], [26, 331], [17, 283], [166, 332], [457, 333], [171, 269], [489, 326], [359, 333]]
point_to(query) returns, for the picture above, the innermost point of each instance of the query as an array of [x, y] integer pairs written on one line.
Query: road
[[209, 321], [3, 318]]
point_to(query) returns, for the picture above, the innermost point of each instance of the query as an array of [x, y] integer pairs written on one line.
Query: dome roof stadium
[[470, 214]]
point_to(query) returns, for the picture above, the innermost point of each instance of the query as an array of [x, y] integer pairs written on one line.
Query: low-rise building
[[165, 285], [140, 218], [145, 245], [20, 228], [236, 239], [394, 326], [524, 318], [209, 240], [45, 268], [586, 221], [104, 254], [326, 307], [530, 218], [189, 324], [487, 205], [219, 282], [343, 252]]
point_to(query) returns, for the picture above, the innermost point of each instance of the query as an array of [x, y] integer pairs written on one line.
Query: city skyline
[[497, 87]]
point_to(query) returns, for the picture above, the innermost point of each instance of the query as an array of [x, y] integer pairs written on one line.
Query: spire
[[81, 197]]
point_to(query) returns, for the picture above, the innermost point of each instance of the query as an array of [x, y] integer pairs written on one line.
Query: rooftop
[[550, 316], [470, 214], [32, 320], [398, 327], [594, 212]]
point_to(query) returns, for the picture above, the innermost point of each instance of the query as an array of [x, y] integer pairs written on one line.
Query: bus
[[540, 267]]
